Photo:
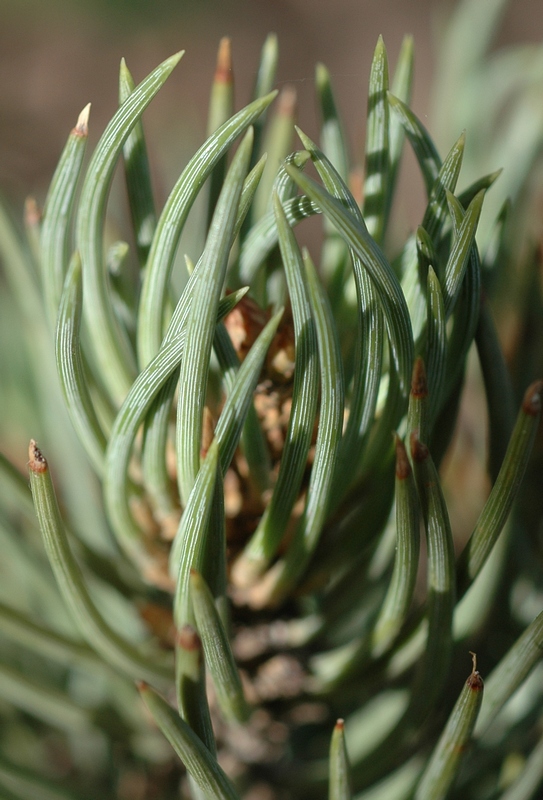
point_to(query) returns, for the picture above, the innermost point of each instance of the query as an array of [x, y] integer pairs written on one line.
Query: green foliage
[[232, 500]]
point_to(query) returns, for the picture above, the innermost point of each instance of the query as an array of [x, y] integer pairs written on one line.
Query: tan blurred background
[[57, 55]]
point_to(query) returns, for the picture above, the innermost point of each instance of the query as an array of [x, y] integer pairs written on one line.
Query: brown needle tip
[[36, 460], [531, 403]]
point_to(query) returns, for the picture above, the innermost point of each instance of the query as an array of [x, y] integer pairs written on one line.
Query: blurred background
[[479, 67], [57, 56]]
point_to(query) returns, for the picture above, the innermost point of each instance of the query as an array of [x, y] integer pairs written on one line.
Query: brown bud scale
[[419, 451], [188, 639], [403, 467], [32, 212], [419, 383], [286, 102]]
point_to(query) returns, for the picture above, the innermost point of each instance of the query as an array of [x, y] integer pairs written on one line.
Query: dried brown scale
[[403, 468], [144, 518], [32, 213], [419, 383], [279, 365], [419, 451], [208, 431], [159, 621], [244, 323], [356, 185], [187, 639], [233, 497], [286, 102], [272, 401]]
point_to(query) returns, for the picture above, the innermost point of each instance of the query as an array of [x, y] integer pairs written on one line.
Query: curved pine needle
[[131, 416], [187, 553], [111, 347], [377, 147], [155, 475], [266, 539], [399, 595], [436, 343], [172, 220], [263, 236], [420, 140], [332, 136], [497, 507], [201, 321], [437, 212], [221, 108], [368, 359], [445, 760], [465, 230], [236, 406], [218, 654], [510, 672], [277, 143], [402, 83], [56, 231], [137, 175], [93, 627], [441, 591], [71, 369], [265, 79], [392, 299], [339, 788], [289, 569], [156, 478], [199, 762]]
